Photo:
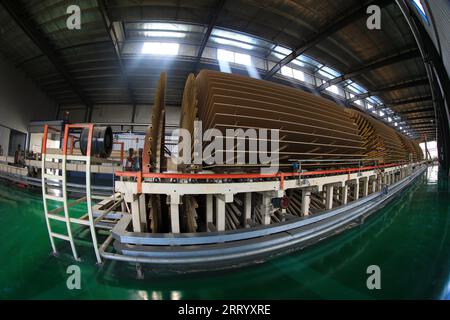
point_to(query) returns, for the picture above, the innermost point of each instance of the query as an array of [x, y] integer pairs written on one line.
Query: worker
[[130, 164], [19, 156]]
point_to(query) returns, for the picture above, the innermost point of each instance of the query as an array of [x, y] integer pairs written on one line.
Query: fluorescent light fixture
[[161, 48], [284, 51]]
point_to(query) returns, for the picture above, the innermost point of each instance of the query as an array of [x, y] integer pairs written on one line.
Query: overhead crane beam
[[421, 117], [394, 87], [116, 46], [410, 100], [395, 58], [419, 110], [326, 32], [211, 25]]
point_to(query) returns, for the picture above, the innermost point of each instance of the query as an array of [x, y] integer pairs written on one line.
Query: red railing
[[218, 176], [89, 126]]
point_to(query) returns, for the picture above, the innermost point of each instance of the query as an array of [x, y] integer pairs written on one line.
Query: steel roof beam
[[411, 100], [326, 32], [212, 22], [405, 55], [394, 87], [421, 117], [31, 29], [419, 121], [425, 109], [115, 43]]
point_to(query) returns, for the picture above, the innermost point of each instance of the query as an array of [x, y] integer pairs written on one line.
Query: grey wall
[[4, 139], [21, 101], [120, 113]]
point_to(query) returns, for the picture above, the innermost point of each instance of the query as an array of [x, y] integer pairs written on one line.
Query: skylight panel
[[282, 50], [164, 34], [233, 39], [160, 48], [326, 74], [164, 30], [331, 71]]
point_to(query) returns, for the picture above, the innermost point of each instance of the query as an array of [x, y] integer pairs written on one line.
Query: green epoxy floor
[[409, 240]]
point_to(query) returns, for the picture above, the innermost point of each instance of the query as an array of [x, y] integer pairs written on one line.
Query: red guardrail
[[219, 176]]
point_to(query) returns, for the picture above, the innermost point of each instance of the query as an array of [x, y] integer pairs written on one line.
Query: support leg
[[344, 193], [220, 213], [209, 208], [306, 199], [175, 213], [143, 212], [248, 208], [136, 214], [329, 199], [357, 190], [365, 187]]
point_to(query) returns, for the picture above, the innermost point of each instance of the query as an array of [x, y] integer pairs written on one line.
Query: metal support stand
[[175, 213], [329, 197], [306, 200]]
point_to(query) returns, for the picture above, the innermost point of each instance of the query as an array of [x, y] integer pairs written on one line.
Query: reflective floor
[[409, 240]]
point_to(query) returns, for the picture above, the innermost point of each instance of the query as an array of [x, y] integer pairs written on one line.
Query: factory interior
[[224, 149]]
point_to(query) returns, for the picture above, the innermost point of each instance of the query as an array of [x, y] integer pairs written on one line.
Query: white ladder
[[86, 220]]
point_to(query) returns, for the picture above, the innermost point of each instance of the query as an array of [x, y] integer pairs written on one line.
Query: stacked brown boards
[[153, 155], [310, 127], [383, 142]]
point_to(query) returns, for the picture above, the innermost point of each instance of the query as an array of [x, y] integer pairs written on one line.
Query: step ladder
[[55, 214]]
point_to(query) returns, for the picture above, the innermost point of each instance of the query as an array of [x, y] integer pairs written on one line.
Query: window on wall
[[299, 75], [233, 39], [333, 89], [234, 57], [293, 73], [244, 59], [286, 71]]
